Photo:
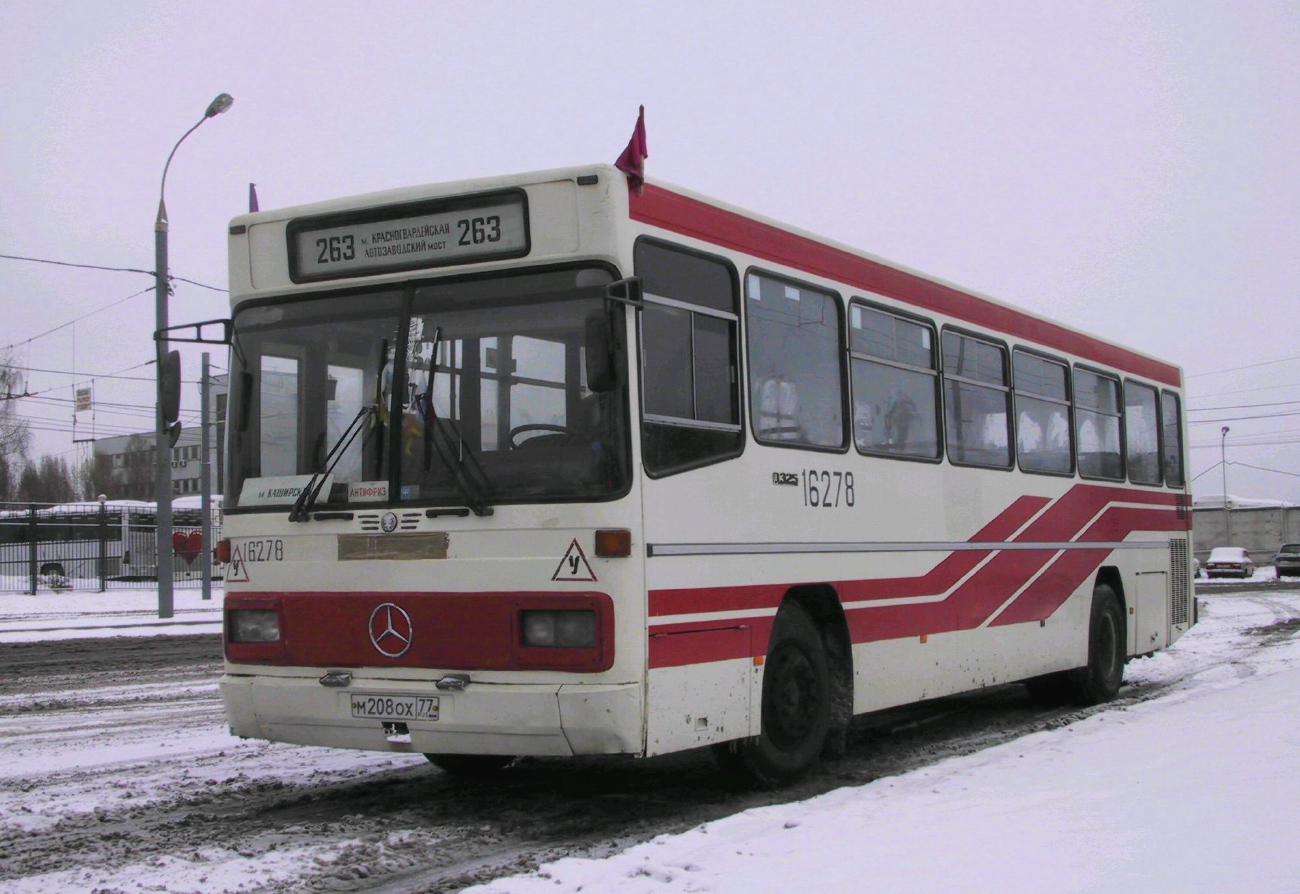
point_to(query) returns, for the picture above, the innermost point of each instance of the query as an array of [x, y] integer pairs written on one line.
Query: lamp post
[[1223, 461], [162, 444]]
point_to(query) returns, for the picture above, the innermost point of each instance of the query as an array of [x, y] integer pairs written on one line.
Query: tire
[[796, 708], [471, 766], [1100, 679]]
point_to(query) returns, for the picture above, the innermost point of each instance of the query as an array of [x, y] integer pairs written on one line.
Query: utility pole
[[1223, 461], [205, 479]]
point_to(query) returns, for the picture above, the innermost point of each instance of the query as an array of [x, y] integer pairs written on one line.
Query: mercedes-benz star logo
[[389, 522], [391, 630]]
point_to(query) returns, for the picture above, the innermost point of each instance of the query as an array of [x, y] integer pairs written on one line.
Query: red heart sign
[[187, 546]]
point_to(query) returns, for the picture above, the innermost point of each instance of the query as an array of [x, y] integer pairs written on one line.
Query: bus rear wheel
[[796, 709], [471, 766], [1099, 680]]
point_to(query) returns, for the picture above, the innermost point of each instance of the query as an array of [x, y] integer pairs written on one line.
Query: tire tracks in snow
[[169, 787]]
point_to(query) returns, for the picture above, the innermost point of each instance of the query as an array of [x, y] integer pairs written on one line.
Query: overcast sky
[[1129, 168]]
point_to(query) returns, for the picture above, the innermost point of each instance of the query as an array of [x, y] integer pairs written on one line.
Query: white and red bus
[[549, 465]]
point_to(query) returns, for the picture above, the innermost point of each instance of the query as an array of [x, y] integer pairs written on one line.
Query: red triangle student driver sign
[[574, 565]]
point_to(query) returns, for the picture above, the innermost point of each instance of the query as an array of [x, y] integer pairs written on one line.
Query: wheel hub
[[794, 701]]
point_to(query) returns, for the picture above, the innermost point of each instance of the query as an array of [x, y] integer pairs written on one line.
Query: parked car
[[1287, 560], [1229, 561]]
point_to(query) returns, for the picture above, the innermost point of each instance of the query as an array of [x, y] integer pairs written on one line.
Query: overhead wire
[[74, 322], [170, 279], [1219, 372], [81, 266], [1279, 403]]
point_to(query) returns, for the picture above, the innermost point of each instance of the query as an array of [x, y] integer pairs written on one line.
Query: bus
[[89, 544], [558, 464]]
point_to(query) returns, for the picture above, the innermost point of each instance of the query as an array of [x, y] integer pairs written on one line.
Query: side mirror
[[600, 351], [245, 400]]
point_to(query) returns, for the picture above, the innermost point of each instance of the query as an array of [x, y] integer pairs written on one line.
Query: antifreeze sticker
[[574, 565]]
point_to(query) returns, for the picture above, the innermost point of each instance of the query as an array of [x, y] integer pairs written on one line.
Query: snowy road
[[120, 776]]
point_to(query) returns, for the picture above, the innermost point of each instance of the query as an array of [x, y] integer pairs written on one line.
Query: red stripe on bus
[[1067, 516], [1072, 569], [678, 645], [662, 208], [937, 580], [975, 601]]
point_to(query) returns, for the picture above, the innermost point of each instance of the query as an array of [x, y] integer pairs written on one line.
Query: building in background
[[124, 468]]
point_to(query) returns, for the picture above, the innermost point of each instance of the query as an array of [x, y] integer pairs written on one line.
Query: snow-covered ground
[[1192, 787], [1197, 790], [77, 614]]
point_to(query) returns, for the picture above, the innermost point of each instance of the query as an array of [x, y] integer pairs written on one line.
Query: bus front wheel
[[796, 709]]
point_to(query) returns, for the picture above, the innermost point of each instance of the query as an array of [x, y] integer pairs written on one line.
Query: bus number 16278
[[827, 490]]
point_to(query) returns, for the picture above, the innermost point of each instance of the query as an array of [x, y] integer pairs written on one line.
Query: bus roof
[[679, 210]]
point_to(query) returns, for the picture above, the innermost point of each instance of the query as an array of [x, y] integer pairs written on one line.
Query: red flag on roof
[[632, 161]]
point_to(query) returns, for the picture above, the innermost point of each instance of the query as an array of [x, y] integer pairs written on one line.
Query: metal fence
[[97, 546]]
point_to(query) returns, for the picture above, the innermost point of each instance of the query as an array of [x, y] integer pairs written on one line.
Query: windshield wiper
[[302, 506], [474, 488], [475, 494]]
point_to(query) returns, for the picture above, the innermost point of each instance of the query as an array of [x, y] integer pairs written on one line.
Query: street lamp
[[1223, 461], [162, 440]]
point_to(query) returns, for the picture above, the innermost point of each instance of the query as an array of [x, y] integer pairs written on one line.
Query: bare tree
[[14, 434]]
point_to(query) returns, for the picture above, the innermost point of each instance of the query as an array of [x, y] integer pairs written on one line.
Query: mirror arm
[[198, 337], [625, 291]]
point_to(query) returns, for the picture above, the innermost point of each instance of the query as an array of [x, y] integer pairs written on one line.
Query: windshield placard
[[429, 234], [277, 490]]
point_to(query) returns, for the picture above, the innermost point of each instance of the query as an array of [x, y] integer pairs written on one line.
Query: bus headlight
[[559, 629], [253, 625]]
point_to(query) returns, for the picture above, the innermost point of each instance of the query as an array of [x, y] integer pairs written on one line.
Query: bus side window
[[690, 358], [1097, 425], [977, 401], [796, 374], [1171, 438], [1141, 433], [1042, 414], [895, 384]]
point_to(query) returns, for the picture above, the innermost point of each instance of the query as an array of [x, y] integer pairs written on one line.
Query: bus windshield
[[469, 392]]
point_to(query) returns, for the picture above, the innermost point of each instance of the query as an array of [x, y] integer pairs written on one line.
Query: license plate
[[395, 707]]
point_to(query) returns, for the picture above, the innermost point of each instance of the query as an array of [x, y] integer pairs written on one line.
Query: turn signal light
[[614, 543], [223, 551]]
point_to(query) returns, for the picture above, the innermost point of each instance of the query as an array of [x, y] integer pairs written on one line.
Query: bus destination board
[[427, 234]]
